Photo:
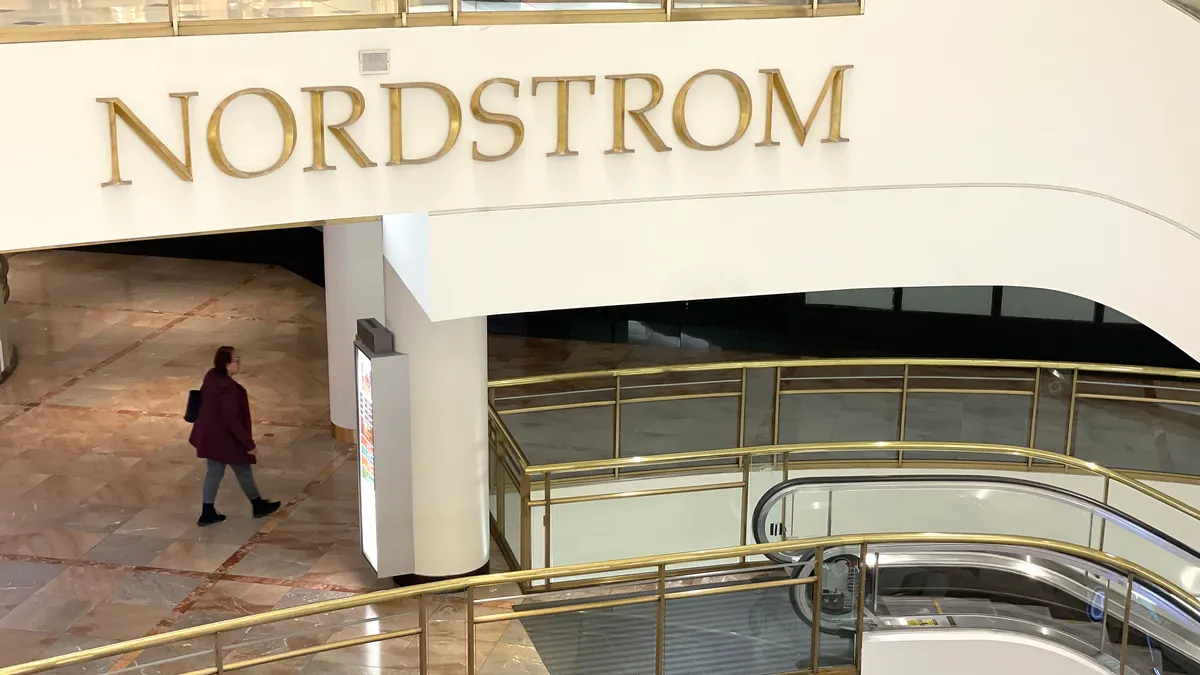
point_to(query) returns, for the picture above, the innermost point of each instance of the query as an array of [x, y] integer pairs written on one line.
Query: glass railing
[[671, 620], [1140, 420], [41, 21], [575, 512], [823, 506]]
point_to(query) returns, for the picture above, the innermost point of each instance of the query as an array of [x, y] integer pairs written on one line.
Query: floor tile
[[27, 575], [18, 646], [239, 598], [46, 613], [276, 563], [198, 556], [118, 621], [69, 644], [86, 583], [128, 549], [155, 589], [154, 523], [98, 517]]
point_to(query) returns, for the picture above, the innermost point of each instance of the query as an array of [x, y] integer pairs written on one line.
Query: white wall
[[1078, 124], [448, 407], [353, 291], [660, 524], [979, 652]]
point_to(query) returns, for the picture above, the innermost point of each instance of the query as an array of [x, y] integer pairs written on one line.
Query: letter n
[[117, 108]]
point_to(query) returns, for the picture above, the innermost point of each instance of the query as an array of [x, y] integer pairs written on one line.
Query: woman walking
[[221, 436]]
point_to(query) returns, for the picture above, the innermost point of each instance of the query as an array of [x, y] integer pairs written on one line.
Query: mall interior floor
[[99, 489]]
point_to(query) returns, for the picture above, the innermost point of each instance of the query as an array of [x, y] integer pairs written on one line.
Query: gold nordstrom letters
[[286, 118], [357, 105], [117, 108], [639, 115], [511, 121], [833, 89], [452, 107], [801, 129]]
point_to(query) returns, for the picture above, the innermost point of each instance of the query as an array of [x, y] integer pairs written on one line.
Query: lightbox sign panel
[[366, 459]]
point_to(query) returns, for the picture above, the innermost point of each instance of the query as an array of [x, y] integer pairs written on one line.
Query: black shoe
[[263, 508], [208, 516]]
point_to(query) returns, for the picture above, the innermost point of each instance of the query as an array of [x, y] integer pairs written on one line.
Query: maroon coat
[[222, 428]]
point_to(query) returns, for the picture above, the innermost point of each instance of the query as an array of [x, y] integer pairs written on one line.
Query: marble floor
[[99, 487]]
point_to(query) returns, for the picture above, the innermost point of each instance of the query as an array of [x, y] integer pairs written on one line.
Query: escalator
[[1075, 604], [1090, 606]]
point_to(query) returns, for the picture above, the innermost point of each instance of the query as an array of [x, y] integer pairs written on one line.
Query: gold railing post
[[526, 523], [745, 504], [816, 6], [668, 7], [660, 632], [1125, 622], [1104, 615], [1037, 390], [903, 409], [617, 424], [1107, 485], [455, 9], [741, 433], [499, 473], [1069, 450], [173, 15], [217, 653], [423, 636], [546, 526], [818, 572], [470, 630], [775, 416], [787, 458], [402, 12], [862, 605]]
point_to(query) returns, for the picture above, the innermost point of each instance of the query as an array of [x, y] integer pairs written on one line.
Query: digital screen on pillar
[[366, 458]]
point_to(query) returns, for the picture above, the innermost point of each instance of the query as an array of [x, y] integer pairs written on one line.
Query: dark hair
[[222, 359]]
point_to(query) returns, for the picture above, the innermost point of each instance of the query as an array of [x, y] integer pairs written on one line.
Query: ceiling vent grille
[[374, 61]]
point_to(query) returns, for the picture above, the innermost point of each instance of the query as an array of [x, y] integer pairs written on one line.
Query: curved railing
[[183, 17], [672, 581], [1083, 410], [530, 506], [611, 424]]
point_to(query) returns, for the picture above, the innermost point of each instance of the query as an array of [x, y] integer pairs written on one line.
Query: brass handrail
[[519, 455], [816, 363], [402, 18], [872, 446], [900, 377], [1133, 570]]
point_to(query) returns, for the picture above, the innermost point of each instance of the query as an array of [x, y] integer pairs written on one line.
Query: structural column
[[8, 353], [353, 290], [448, 393]]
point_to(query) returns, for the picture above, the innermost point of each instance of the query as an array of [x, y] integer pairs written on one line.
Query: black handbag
[[193, 407]]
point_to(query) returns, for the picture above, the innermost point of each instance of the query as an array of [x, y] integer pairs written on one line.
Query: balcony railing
[[402, 617], [55, 20], [1112, 415], [561, 441]]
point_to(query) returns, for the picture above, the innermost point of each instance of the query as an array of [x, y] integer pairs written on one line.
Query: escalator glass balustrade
[[1078, 604]]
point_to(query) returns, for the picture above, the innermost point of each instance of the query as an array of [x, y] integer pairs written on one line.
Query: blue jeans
[[216, 471]]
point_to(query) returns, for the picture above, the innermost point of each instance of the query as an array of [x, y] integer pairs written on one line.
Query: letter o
[[286, 118], [744, 109]]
